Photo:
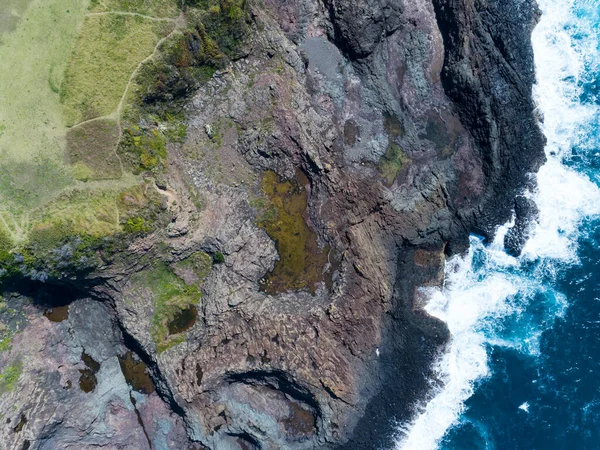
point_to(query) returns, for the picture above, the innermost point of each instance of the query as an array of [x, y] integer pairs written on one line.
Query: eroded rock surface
[[413, 124]]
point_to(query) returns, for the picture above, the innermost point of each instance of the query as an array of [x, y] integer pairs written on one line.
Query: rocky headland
[[337, 154]]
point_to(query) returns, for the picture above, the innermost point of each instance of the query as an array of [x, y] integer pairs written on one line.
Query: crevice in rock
[[161, 386], [246, 442], [46, 295], [139, 419]]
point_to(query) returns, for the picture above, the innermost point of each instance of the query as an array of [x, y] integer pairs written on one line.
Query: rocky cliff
[[338, 155]]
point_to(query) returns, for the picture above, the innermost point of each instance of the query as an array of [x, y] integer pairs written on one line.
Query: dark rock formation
[[413, 124]]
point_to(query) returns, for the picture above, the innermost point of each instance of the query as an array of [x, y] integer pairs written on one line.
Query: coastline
[[413, 126]]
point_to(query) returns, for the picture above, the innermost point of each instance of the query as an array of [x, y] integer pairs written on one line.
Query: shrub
[[136, 225], [218, 258]]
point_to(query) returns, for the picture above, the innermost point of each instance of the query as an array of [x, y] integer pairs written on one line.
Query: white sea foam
[[563, 196], [478, 295], [524, 407]]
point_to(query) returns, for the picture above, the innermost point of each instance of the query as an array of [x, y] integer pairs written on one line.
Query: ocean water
[[522, 370]]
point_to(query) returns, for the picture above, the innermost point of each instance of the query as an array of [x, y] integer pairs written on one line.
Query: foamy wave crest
[[475, 304], [487, 292], [564, 196]]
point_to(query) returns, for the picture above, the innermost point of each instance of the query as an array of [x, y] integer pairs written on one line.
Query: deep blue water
[[523, 368]]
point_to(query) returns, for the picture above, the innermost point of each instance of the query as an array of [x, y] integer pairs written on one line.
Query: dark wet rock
[[525, 212], [488, 73], [136, 373], [359, 26], [87, 379]]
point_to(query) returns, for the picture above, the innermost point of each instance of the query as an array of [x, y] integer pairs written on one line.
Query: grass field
[[11, 12], [81, 80], [65, 62]]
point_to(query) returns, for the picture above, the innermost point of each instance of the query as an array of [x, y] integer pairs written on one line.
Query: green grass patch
[[6, 343], [91, 150], [107, 53], [195, 268], [6, 245], [82, 212], [55, 189], [140, 209], [10, 376], [11, 12], [392, 162], [171, 298], [301, 261]]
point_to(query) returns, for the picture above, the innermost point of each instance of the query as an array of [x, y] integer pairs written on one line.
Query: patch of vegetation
[[91, 150], [301, 261], [6, 335], [10, 376], [140, 209], [174, 126], [195, 268], [99, 73], [184, 62], [225, 21], [170, 296], [82, 212], [6, 245], [80, 230], [6, 343], [58, 214], [189, 58], [136, 225], [55, 248], [392, 162], [218, 258], [10, 13], [149, 145]]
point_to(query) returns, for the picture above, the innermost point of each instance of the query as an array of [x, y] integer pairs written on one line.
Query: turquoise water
[[522, 370]]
